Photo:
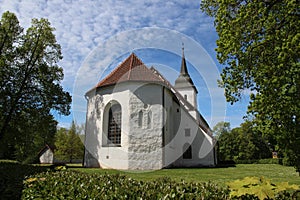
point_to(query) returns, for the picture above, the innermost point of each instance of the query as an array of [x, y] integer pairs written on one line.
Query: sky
[[97, 35]]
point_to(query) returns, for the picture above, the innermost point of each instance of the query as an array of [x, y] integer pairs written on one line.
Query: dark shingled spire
[[184, 80], [183, 69]]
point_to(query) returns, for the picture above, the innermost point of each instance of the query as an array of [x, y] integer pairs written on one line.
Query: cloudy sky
[[96, 35]]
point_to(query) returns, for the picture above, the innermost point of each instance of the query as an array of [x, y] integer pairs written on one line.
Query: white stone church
[[137, 120]]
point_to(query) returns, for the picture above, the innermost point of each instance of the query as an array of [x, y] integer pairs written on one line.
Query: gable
[[131, 69]]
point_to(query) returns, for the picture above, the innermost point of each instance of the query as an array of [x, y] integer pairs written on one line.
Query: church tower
[[184, 84]]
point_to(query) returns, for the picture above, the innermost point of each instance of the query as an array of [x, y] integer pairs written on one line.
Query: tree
[[221, 128], [241, 143], [29, 80], [259, 46], [68, 144]]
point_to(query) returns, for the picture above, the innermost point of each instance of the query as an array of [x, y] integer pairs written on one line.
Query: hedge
[[67, 184]]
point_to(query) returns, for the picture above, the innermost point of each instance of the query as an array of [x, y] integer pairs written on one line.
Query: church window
[[114, 124], [145, 118], [185, 97], [141, 118], [187, 132], [187, 151], [149, 114]]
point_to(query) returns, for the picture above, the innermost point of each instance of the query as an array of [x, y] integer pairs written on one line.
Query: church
[[137, 120]]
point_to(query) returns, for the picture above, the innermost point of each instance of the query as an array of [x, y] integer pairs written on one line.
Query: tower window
[[185, 97], [187, 132]]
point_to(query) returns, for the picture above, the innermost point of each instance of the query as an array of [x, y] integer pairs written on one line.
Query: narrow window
[[187, 132], [149, 119], [145, 118], [185, 97], [187, 151], [114, 124], [140, 119]]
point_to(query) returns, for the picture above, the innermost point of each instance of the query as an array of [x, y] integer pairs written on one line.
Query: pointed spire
[[184, 80], [183, 69]]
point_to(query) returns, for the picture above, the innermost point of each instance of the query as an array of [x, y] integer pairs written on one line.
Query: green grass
[[12, 174], [274, 172]]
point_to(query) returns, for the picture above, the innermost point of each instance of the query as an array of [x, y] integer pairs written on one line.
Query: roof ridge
[[131, 69]]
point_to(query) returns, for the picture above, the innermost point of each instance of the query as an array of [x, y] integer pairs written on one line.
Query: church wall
[[98, 152], [181, 132], [145, 138], [153, 136]]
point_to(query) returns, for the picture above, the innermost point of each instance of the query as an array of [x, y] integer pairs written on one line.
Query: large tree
[[30, 78], [259, 46]]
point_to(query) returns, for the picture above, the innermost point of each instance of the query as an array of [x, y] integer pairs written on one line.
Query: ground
[[12, 174]]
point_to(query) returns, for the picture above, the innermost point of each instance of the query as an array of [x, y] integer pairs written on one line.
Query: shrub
[[11, 178], [76, 185], [260, 187], [269, 161], [65, 184], [260, 161]]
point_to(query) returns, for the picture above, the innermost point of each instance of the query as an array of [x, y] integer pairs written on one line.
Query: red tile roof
[[131, 69]]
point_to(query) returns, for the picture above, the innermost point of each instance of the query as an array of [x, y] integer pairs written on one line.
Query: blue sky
[[85, 28]]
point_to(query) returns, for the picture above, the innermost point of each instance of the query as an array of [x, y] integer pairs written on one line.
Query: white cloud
[[82, 25]]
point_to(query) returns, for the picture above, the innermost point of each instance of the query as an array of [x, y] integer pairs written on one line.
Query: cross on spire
[[183, 69]]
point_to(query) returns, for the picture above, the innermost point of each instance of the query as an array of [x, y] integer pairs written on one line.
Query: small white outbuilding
[[136, 119], [46, 155]]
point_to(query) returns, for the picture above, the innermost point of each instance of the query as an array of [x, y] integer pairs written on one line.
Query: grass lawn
[[277, 173], [12, 174]]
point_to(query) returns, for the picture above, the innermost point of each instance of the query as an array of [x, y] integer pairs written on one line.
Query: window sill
[[111, 145]]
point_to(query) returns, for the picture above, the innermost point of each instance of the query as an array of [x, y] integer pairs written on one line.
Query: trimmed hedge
[[12, 175], [65, 184], [260, 161], [75, 185]]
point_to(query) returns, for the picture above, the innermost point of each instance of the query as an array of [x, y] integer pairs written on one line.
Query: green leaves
[[68, 144], [74, 185], [259, 47], [260, 187], [29, 86], [241, 143]]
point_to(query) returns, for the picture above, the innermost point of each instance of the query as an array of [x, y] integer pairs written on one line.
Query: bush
[[76, 185], [261, 161], [65, 184], [269, 161], [12, 174], [252, 187]]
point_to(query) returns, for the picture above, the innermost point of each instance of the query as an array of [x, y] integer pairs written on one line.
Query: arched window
[[114, 124], [187, 151]]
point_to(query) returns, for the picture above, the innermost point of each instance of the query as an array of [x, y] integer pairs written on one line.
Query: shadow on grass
[[12, 175]]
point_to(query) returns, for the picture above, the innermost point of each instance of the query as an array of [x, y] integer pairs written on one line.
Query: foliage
[[242, 143], [259, 46], [29, 86], [68, 144], [12, 175], [74, 185], [11, 178], [65, 184], [260, 187], [260, 161], [221, 128]]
